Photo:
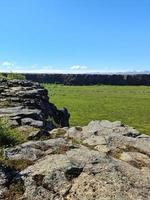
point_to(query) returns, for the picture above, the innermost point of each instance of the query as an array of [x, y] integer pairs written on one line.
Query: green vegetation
[[8, 135], [129, 104], [12, 76], [2, 76]]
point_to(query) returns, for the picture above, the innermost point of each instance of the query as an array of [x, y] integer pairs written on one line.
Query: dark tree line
[[90, 79]]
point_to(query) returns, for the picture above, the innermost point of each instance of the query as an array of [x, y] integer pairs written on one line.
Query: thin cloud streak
[[78, 67], [7, 66], [11, 67]]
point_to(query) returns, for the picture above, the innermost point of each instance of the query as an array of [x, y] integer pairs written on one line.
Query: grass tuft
[[8, 135]]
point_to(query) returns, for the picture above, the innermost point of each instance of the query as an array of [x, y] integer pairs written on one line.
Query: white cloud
[[13, 67], [7, 64], [78, 67], [38, 71]]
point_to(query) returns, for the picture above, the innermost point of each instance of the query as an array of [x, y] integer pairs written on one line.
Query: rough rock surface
[[101, 161], [27, 105], [3, 183]]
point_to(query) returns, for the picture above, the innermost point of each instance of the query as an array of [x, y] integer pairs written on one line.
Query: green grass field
[[129, 104]]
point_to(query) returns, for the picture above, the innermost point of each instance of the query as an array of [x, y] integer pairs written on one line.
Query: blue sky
[[74, 36]]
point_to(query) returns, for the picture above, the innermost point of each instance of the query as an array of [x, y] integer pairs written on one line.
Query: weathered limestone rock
[[3, 182], [110, 181], [6, 177], [101, 161], [36, 134], [95, 140], [27, 103], [34, 150], [48, 175]]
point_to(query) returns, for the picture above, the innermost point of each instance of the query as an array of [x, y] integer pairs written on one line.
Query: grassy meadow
[[129, 104]]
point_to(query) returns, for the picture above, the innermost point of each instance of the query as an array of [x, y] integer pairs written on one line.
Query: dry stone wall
[[26, 103]]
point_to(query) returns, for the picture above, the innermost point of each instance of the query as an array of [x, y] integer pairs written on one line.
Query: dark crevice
[[38, 178], [133, 135], [73, 172]]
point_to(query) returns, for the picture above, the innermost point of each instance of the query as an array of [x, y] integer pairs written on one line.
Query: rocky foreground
[[101, 161]]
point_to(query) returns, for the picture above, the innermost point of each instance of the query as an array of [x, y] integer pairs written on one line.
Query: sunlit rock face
[[101, 161]]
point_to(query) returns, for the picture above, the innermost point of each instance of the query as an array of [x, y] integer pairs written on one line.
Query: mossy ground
[[129, 104]]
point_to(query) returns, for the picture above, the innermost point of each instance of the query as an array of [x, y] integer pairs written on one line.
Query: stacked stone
[[27, 103]]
